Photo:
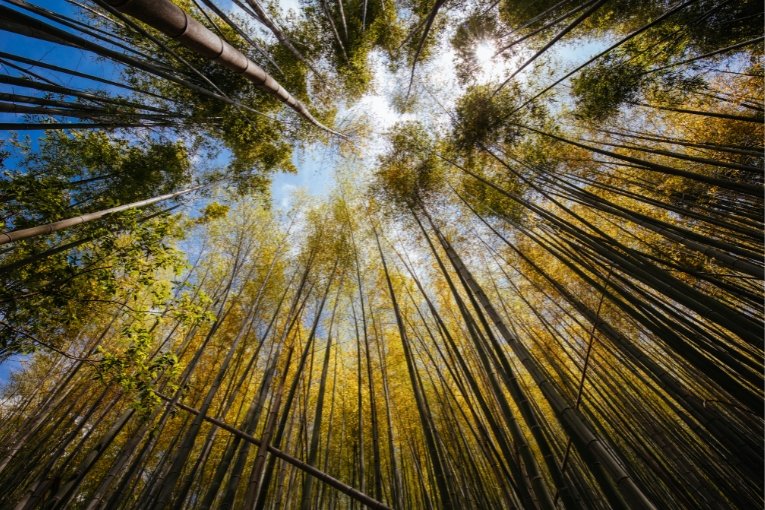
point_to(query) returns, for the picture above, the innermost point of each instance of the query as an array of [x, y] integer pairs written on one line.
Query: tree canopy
[[527, 271]]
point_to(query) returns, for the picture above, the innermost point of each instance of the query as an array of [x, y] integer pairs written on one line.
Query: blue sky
[[64, 56], [315, 175], [56, 54], [9, 366]]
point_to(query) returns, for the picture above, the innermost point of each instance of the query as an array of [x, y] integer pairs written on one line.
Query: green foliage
[[708, 24], [602, 88], [62, 291], [484, 117], [625, 74], [674, 88], [60, 282], [193, 306], [258, 148], [136, 369], [410, 172], [356, 75], [255, 137], [487, 200], [712, 25], [420, 11], [515, 13], [83, 172], [159, 168], [346, 39], [213, 211]]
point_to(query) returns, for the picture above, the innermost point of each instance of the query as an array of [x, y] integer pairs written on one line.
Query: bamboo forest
[[387, 254]]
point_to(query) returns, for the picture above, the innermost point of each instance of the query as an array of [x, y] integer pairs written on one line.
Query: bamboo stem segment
[[175, 23]]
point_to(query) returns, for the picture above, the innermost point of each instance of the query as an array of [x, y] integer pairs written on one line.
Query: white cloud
[[286, 191]]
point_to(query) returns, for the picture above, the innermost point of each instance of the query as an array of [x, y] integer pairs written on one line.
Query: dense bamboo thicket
[[539, 287]]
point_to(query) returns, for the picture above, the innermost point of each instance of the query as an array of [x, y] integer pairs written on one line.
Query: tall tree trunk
[[439, 467], [588, 443]]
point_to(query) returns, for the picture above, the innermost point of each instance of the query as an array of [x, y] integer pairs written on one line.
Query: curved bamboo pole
[[172, 21], [49, 228]]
